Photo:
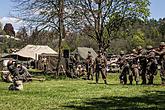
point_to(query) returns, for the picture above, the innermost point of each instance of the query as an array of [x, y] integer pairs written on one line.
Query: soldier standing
[[143, 63], [124, 68], [100, 64], [89, 64], [151, 64], [161, 53], [134, 67]]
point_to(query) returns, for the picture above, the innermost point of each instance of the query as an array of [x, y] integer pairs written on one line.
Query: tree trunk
[[98, 24], [61, 34]]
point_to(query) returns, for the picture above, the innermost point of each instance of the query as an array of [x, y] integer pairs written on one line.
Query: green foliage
[[138, 39]]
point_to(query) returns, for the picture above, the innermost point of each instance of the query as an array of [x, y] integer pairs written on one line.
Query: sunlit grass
[[81, 94]]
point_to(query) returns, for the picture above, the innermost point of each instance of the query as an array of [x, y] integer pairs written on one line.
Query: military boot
[[105, 82]]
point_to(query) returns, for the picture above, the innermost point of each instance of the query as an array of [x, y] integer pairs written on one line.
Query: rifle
[[36, 79]]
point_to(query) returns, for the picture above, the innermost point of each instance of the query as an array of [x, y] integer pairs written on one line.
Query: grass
[[77, 94]]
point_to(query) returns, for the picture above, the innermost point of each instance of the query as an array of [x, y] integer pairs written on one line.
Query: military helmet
[[149, 47], [121, 52], [139, 47], [134, 50], [162, 43], [10, 62]]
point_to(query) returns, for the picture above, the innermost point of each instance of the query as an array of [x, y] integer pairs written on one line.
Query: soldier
[[17, 83], [151, 64], [23, 72], [72, 67], [134, 67], [89, 64], [161, 53], [100, 64], [142, 62], [124, 68]]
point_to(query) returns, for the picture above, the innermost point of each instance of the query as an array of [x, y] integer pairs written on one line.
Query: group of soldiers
[[89, 67], [139, 64], [142, 63]]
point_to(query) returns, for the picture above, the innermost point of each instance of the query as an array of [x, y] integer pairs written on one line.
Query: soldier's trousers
[[151, 71], [103, 73], [162, 75], [89, 73], [143, 74], [134, 73], [123, 75]]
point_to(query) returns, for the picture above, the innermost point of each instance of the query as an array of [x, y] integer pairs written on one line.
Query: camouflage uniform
[[124, 68], [89, 63], [100, 64], [134, 68], [162, 61], [143, 63], [23, 73], [17, 85], [151, 65], [72, 67]]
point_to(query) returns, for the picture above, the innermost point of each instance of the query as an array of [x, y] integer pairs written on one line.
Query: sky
[[157, 9]]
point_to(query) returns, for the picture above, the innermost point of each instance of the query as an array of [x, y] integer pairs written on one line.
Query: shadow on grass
[[151, 100], [101, 83]]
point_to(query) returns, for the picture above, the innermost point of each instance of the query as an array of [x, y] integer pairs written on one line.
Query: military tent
[[33, 51], [83, 52]]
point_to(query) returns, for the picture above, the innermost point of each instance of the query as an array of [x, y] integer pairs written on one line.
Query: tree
[[108, 16], [9, 29], [45, 15]]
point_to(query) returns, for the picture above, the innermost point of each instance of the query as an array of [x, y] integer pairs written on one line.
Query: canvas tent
[[83, 52], [33, 51]]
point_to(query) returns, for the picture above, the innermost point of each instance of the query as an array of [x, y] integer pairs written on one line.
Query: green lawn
[[82, 95]]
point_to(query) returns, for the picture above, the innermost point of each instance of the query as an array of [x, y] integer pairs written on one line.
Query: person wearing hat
[[100, 64], [89, 63], [161, 53], [151, 64]]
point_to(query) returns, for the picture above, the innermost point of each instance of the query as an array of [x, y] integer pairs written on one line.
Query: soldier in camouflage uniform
[[134, 67], [23, 73], [142, 62], [100, 64], [161, 53], [89, 64], [17, 84], [151, 64], [124, 68], [20, 74]]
